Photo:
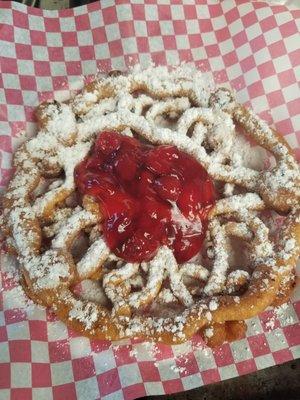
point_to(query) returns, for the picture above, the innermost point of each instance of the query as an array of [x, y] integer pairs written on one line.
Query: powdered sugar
[[86, 313], [185, 224], [238, 203], [217, 277], [177, 107], [209, 332], [17, 218], [16, 298], [47, 271], [74, 224], [60, 121], [93, 291], [213, 305], [97, 253]]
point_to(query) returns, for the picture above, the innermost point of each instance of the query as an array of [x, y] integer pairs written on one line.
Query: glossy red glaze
[[149, 196]]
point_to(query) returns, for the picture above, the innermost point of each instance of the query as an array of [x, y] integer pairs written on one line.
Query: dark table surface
[[281, 382]]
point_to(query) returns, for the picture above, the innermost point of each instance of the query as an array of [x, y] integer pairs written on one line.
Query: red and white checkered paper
[[253, 46]]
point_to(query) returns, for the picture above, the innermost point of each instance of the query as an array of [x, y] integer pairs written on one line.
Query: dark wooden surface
[[281, 382]]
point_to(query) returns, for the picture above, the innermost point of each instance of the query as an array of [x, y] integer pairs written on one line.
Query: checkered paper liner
[[255, 47]]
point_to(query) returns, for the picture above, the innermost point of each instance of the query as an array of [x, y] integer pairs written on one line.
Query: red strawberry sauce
[[149, 196]]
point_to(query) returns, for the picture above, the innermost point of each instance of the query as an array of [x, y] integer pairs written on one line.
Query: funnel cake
[[59, 230]]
